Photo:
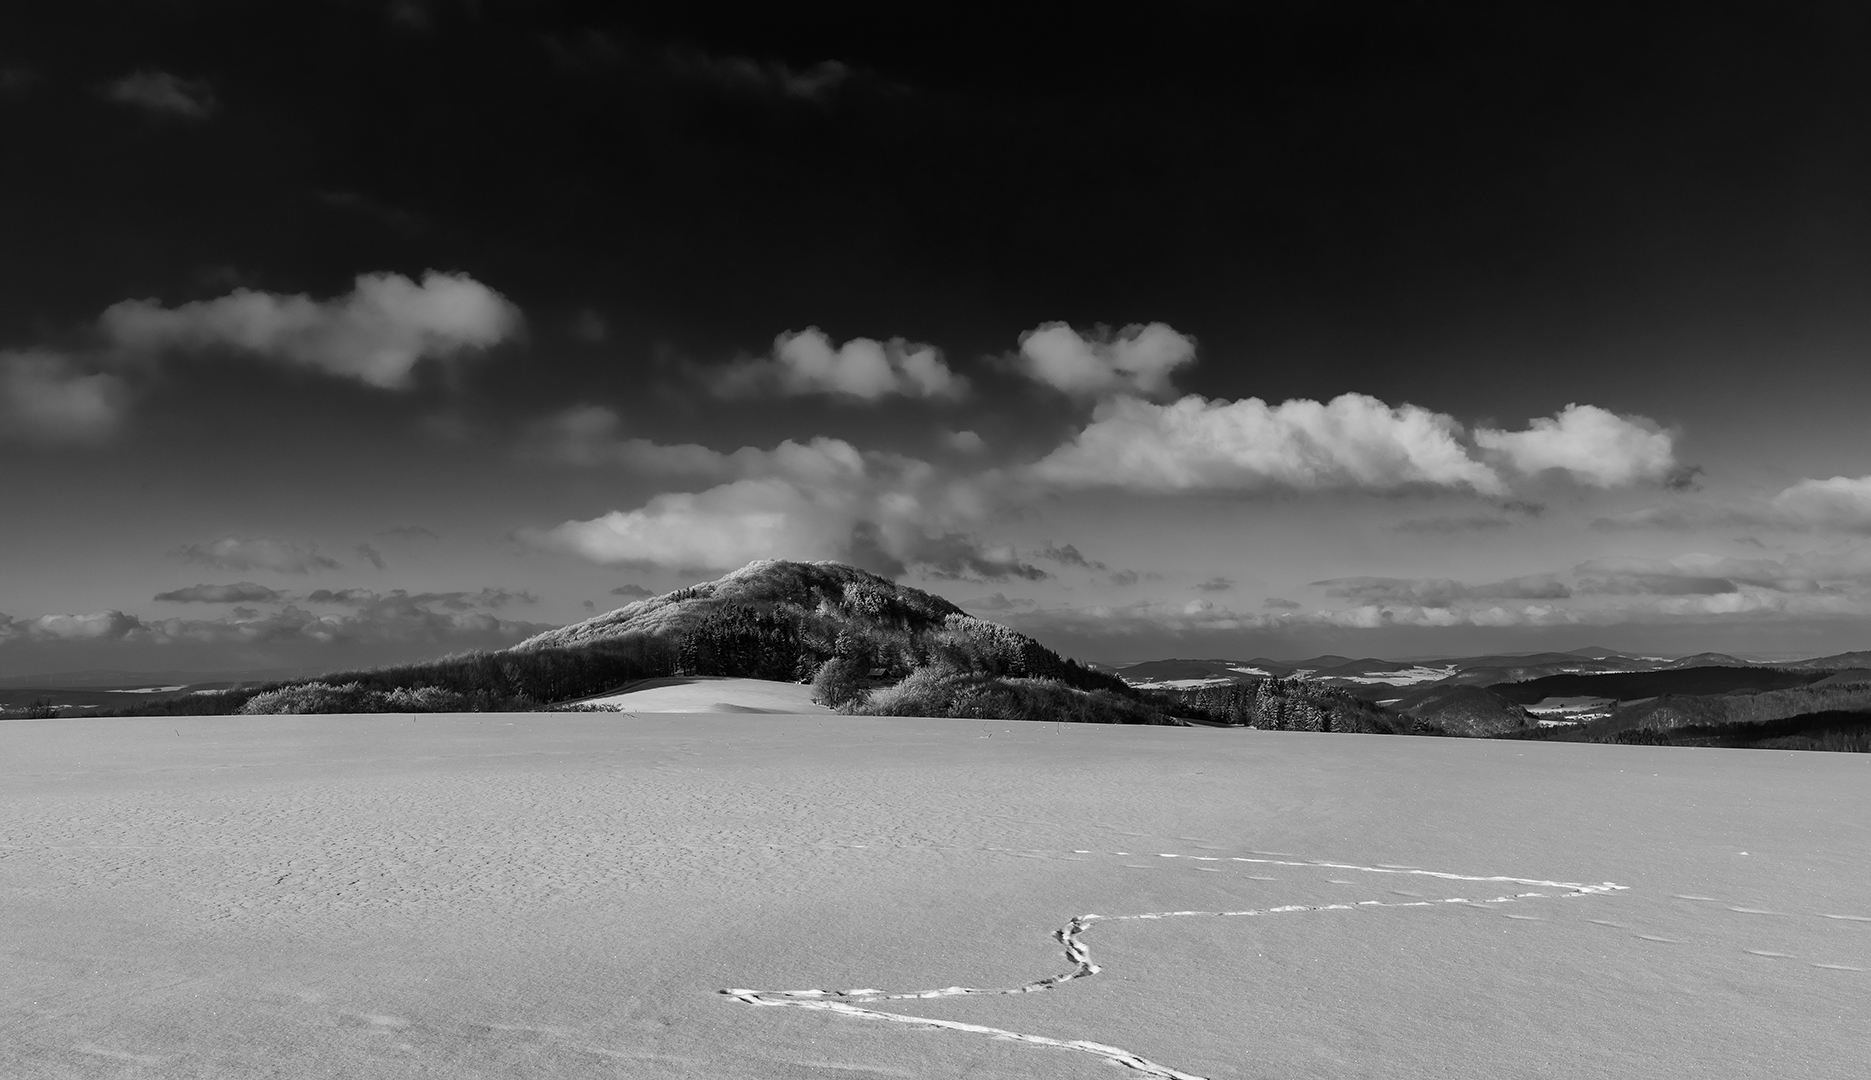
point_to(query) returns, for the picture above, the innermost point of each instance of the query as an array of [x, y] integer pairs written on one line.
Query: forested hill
[[866, 643], [833, 594]]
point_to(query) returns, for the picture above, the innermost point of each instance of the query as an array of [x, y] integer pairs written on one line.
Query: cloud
[[1280, 603], [819, 500], [1136, 360], [1069, 555], [1454, 523], [371, 555], [376, 334], [633, 592], [242, 592], [1124, 579], [590, 326], [404, 221], [1594, 446], [102, 626], [592, 435], [398, 599], [1460, 523], [240, 553], [1195, 444], [996, 602], [964, 442], [1441, 592], [44, 399], [412, 532], [746, 75], [1215, 584], [290, 633], [1841, 504], [808, 363], [161, 92]]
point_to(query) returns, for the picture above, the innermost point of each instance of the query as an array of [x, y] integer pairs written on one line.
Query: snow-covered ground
[[1406, 677], [1183, 684], [708, 693], [735, 897], [1557, 711]]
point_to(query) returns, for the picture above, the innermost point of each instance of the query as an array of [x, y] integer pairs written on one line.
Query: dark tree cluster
[[746, 644], [1293, 705]]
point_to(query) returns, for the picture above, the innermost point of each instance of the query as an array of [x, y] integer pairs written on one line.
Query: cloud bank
[[163, 93], [1136, 360], [823, 499], [45, 399], [1592, 445], [1195, 444], [376, 334], [807, 362], [241, 592], [241, 553], [1353, 442]]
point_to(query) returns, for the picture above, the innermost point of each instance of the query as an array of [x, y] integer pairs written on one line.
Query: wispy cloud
[[1841, 504], [376, 334], [241, 592], [258, 553], [1195, 444], [820, 500], [862, 369], [164, 93], [1137, 360], [46, 398], [1353, 442], [1592, 445], [1068, 555]]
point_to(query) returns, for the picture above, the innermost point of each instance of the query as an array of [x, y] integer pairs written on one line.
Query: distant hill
[[1630, 686], [1461, 709], [852, 634]]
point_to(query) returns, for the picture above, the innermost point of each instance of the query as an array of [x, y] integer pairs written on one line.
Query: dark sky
[[1659, 215]]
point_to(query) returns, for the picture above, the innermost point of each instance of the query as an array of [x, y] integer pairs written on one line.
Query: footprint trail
[[852, 1003]]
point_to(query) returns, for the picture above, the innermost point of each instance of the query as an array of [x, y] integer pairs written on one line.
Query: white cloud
[[242, 553], [1443, 592], [807, 362], [395, 618], [748, 75], [1841, 503], [1136, 360], [1195, 444], [241, 592], [376, 334], [44, 399], [161, 92], [818, 500], [1595, 446], [101, 626], [593, 435], [964, 442]]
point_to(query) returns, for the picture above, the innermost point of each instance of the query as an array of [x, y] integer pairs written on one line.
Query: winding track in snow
[[845, 1002]]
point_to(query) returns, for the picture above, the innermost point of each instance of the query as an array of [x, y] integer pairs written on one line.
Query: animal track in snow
[[852, 1003]]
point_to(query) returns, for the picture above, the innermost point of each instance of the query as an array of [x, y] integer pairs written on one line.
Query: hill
[[864, 642], [1632, 685], [1460, 709]]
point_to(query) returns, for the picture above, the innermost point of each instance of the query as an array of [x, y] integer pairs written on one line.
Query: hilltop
[[864, 643]]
